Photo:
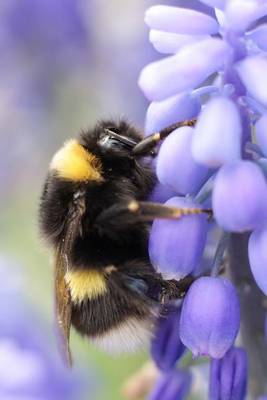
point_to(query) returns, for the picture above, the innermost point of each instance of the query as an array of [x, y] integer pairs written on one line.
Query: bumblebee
[[95, 215]]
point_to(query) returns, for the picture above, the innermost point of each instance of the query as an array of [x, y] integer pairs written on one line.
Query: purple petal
[[172, 386], [252, 72], [210, 317], [167, 112], [257, 249], [259, 36], [166, 345], [168, 243], [215, 3], [228, 376], [170, 43], [217, 135], [180, 20], [162, 193], [176, 166], [240, 197], [241, 14], [261, 133], [185, 70]]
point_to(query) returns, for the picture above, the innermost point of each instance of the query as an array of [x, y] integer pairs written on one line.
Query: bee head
[[112, 143]]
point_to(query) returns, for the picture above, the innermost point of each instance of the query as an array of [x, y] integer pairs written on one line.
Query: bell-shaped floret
[[239, 198], [176, 166], [210, 317], [217, 135], [257, 250], [185, 70], [166, 345], [176, 246], [228, 376]]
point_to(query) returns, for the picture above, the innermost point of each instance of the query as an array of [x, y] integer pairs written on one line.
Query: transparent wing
[[62, 307]]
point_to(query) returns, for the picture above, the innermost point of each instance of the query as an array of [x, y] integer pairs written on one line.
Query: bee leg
[[121, 215], [148, 144]]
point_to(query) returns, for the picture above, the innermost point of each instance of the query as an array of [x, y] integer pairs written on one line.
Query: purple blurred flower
[[240, 197], [29, 365], [173, 385], [168, 244], [228, 376], [42, 41], [257, 250], [210, 317], [166, 345]]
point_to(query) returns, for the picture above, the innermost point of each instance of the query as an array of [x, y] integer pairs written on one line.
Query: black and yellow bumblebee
[[94, 212]]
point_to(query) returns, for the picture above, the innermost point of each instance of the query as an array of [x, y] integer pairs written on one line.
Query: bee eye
[[111, 140]]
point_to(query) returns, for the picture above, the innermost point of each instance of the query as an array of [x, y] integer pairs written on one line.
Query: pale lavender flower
[[169, 251], [258, 257]]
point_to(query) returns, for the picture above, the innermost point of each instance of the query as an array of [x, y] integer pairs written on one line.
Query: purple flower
[[169, 251], [176, 166], [166, 345], [240, 197], [228, 376], [217, 136], [29, 365], [257, 250], [174, 385], [169, 111], [210, 317]]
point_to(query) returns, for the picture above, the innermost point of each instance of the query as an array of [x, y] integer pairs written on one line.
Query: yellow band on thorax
[[74, 162], [85, 284]]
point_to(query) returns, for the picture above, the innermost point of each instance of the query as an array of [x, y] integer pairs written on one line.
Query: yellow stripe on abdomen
[[85, 284]]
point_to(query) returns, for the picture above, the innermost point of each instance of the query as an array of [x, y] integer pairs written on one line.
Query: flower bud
[[166, 345], [170, 111], [251, 71], [210, 317], [180, 20], [240, 197], [217, 135], [257, 251], [174, 385], [176, 166], [185, 70], [176, 246], [228, 376]]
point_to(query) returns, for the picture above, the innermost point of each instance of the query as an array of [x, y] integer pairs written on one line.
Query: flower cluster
[[215, 71]]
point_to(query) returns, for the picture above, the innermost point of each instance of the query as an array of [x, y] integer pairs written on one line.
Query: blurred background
[[64, 64]]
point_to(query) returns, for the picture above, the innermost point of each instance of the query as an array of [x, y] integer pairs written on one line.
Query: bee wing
[[62, 292], [62, 306]]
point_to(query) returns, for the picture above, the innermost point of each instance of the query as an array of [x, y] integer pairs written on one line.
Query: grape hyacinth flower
[[228, 376], [214, 70], [210, 317], [166, 345]]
